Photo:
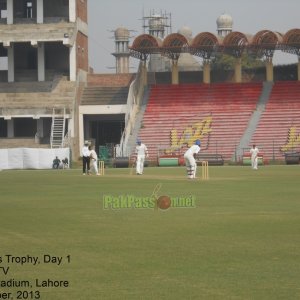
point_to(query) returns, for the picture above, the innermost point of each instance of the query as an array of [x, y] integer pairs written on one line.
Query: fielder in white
[[94, 159], [190, 162], [254, 157], [141, 152]]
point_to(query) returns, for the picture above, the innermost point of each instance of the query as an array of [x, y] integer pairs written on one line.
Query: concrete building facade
[[43, 63]]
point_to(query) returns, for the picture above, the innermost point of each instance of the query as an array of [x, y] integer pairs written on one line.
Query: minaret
[[224, 25], [121, 50]]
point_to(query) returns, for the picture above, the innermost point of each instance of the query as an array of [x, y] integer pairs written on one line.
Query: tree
[[225, 62]]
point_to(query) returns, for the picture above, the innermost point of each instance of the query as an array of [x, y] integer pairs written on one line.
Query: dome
[[188, 62], [186, 31], [121, 33], [224, 22]]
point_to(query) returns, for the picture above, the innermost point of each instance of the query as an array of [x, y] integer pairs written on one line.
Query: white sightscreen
[[31, 158]]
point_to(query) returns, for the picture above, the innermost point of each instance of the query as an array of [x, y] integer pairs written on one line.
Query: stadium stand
[[180, 110], [276, 132]]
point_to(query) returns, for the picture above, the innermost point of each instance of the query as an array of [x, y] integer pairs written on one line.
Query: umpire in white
[[85, 152]]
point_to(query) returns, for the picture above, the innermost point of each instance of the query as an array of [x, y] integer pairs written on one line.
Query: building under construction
[[43, 63]]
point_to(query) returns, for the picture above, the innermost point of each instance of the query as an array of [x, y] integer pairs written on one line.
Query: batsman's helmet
[[198, 142], [138, 142]]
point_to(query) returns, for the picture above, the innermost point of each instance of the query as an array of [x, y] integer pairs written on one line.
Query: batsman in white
[[190, 162], [254, 157], [141, 152]]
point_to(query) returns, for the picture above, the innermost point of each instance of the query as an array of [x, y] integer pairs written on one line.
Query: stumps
[[204, 166], [101, 167]]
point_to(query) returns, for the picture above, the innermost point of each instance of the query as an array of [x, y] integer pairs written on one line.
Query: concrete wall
[[118, 80], [82, 52]]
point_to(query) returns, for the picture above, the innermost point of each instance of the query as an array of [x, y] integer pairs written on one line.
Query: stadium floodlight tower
[[159, 26]]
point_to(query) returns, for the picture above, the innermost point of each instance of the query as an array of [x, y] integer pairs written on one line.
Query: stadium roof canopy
[[235, 43], [145, 44], [174, 44], [205, 44], [291, 41], [265, 42]]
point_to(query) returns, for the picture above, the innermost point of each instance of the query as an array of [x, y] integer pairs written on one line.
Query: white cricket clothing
[[141, 151], [94, 158], [85, 151], [192, 150], [190, 161], [254, 157], [93, 154]]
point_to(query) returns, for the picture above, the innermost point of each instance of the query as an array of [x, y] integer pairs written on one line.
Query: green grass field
[[240, 241]]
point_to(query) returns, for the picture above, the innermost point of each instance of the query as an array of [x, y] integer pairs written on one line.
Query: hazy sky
[[249, 16]]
